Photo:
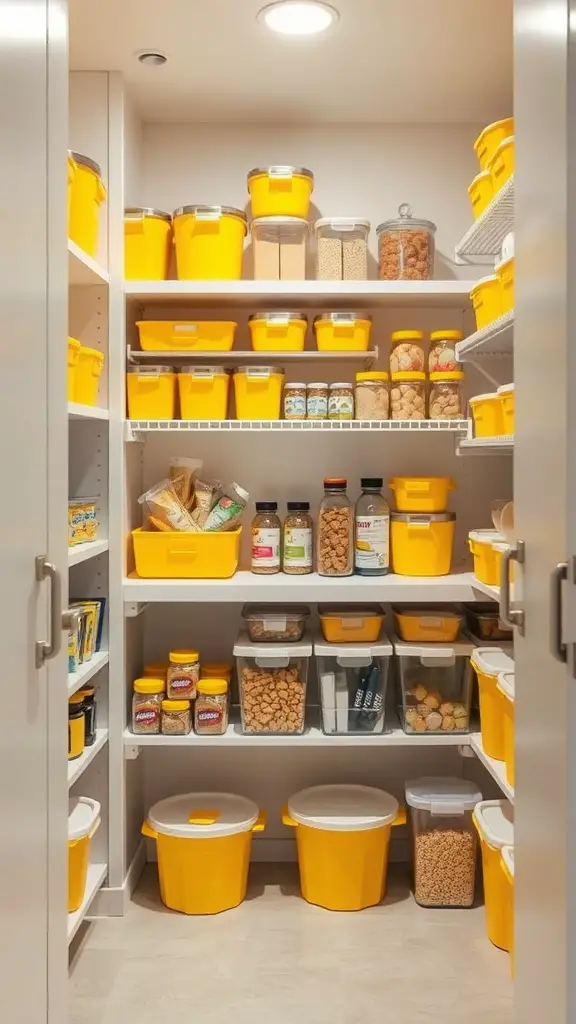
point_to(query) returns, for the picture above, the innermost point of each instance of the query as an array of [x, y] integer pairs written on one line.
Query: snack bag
[[163, 504]]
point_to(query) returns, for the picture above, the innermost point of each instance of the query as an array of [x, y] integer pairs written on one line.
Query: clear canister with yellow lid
[[372, 395], [183, 674], [149, 692], [211, 707], [280, 191], [442, 356], [147, 243], [209, 242], [446, 395], [407, 352], [408, 395], [216, 670], [176, 717]]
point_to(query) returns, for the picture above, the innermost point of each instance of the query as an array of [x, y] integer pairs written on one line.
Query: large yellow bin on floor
[[85, 196], [203, 841], [343, 838], [494, 821], [147, 244], [83, 821], [209, 242], [488, 663]]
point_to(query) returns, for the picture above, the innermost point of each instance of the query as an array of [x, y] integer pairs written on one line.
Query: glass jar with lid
[[317, 401], [406, 247], [149, 693], [294, 401], [442, 352], [266, 529], [341, 401], [408, 396], [298, 536], [335, 549], [342, 249], [445, 395], [372, 526], [407, 352], [372, 395]]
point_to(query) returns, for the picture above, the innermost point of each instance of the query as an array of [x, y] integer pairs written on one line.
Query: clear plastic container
[[483, 621], [279, 246], [408, 396], [446, 395], [372, 395], [407, 352], [435, 686], [341, 401], [272, 685], [342, 249], [335, 548], [351, 623], [352, 683], [445, 840], [442, 351], [275, 623], [406, 247], [372, 530]]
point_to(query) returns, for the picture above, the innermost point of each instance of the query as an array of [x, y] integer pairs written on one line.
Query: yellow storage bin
[[507, 866], [422, 544], [88, 373], [151, 393], [186, 335], [487, 415], [433, 624], [486, 298], [490, 138], [505, 272], [508, 408], [486, 558], [191, 556], [216, 670], [501, 166], [278, 332], [488, 663], [507, 688], [147, 244], [204, 393], [421, 493], [351, 624], [156, 670], [203, 842], [73, 356], [481, 192], [280, 191], [258, 391], [209, 242], [85, 196], [342, 332], [494, 821], [83, 821], [343, 837]]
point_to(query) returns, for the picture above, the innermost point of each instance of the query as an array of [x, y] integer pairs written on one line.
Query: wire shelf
[[486, 235], [137, 427], [497, 339]]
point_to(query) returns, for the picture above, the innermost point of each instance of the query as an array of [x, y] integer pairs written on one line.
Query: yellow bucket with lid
[[83, 821], [488, 663], [494, 823], [490, 138], [481, 192], [73, 355], [258, 391], [278, 332], [486, 298], [209, 242], [151, 393], [88, 373], [85, 197], [280, 191], [487, 415], [203, 842], [203, 393], [506, 687], [342, 332], [422, 543], [147, 244], [421, 493], [507, 867]]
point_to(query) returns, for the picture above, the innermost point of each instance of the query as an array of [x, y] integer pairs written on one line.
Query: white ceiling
[[385, 61]]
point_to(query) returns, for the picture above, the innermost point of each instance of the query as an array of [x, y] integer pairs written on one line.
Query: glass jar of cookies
[[408, 396], [445, 395], [406, 247]]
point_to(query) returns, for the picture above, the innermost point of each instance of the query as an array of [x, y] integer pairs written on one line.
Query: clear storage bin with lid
[[209, 242], [279, 248], [342, 249], [278, 331], [343, 332], [352, 683], [494, 822], [275, 623], [408, 396], [151, 392], [406, 247], [280, 191], [272, 682], [446, 395], [442, 352], [484, 623], [445, 840], [147, 243], [407, 351], [372, 395], [435, 686]]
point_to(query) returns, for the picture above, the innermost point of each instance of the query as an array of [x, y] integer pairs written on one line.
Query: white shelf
[[79, 765], [497, 769], [305, 294], [495, 340], [313, 737], [486, 235], [83, 269], [96, 875], [87, 671], [82, 552], [486, 589], [86, 412], [136, 427], [239, 358], [503, 445]]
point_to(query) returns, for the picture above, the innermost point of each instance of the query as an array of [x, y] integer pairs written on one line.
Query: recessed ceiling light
[[151, 57], [298, 17]]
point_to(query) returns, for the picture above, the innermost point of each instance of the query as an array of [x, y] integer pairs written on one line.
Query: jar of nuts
[[341, 249], [407, 352], [317, 401], [266, 529], [406, 247], [147, 705], [335, 548], [272, 685], [408, 396], [211, 707], [442, 351], [445, 397], [294, 401], [372, 396], [176, 717], [341, 402]]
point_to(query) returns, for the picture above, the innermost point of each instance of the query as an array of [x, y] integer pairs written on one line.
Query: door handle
[[558, 648], [511, 617], [59, 620]]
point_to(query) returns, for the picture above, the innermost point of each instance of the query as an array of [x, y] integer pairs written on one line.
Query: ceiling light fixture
[[298, 17], [153, 58]]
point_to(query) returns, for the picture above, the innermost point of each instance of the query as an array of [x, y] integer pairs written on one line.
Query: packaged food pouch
[[206, 494], [163, 504], [228, 509], [182, 472]]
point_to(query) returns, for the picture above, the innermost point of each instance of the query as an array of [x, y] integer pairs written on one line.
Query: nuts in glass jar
[[407, 352], [341, 402], [408, 396], [371, 396], [147, 705], [295, 401], [317, 401], [445, 400], [176, 717], [442, 351], [406, 247], [211, 708], [183, 674]]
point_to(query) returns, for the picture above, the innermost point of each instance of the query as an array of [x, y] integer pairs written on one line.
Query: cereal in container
[[406, 247], [372, 395], [442, 351], [211, 707], [295, 401], [408, 396], [445, 395], [176, 717], [407, 352], [147, 705], [342, 249], [317, 401], [335, 549], [183, 674], [272, 685], [266, 530], [298, 536], [341, 402]]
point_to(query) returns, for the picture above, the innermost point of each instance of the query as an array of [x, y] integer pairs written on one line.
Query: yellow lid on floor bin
[[494, 821], [83, 820], [489, 662]]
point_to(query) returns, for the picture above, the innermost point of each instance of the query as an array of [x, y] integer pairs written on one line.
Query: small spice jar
[[298, 535], [442, 351], [407, 352], [147, 705], [445, 396], [294, 401], [408, 396], [211, 708], [266, 529], [317, 401], [371, 396], [176, 717], [341, 402], [183, 674], [88, 697]]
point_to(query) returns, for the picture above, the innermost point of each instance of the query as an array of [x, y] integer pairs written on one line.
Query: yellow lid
[[73, 343], [86, 691], [149, 685], [447, 375], [183, 657], [216, 669], [76, 698], [212, 686], [93, 352], [446, 336], [156, 668], [406, 335], [373, 375], [409, 375], [175, 705]]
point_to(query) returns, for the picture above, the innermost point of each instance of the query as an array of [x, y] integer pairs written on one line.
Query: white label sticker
[[298, 547], [257, 373], [208, 214], [372, 542], [274, 625], [185, 328], [278, 321], [266, 547], [202, 375], [281, 172]]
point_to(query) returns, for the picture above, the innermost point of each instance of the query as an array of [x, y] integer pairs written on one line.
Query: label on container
[[294, 406], [258, 373], [282, 173], [341, 407], [275, 625], [298, 547], [185, 328], [146, 716], [317, 407], [372, 542], [266, 547]]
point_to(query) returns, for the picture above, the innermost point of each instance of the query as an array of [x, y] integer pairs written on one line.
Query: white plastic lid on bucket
[[442, 795], [508, 858], [83, 814], [492, 660], [506, 685], [343, 808], [203, 815], [495, 819]]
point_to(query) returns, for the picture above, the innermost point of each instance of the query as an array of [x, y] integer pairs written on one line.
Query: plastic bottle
[[372, 530]]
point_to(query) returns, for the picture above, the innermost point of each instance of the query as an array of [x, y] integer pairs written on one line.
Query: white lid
[[361, 653], [339, 384], [318, 384], [507, 247], [485, 536], [280, 222], [442, 795], [434, 652], [482, 398], [294, 384], [492, 660], [506, 685], [342, 223], [83, 813], [231, 814], [270, 653], [500, 545], [506, 389], [343, 808], [508, 858], [495, 820]]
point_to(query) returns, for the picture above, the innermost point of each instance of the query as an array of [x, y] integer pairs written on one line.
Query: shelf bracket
[[466, 751], [131, 752], [132, 609], [133, 435]]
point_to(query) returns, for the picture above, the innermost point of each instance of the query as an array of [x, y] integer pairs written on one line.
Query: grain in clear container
[[317, 401], [342, 249], [372, 395], [341, 401], [176, 717], [183, 674], [266, 533], [335, 548], [212, 706], [295, 401], [408, 396], [445, 395], [147, 700], [297, 539]]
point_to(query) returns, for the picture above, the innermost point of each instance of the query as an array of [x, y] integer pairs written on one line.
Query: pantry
[[303, 419]]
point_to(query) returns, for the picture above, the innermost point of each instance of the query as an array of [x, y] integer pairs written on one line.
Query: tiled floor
[[277, 960]]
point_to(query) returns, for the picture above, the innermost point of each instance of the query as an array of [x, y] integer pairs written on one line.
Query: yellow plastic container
[[488, 663], [88, 373], [258, 391], [216, 670], [278, 332], [192, 556], [486, 297], [280, 191], [501, 166], [209, 242], [507, 689], [186, 335], [156, 670], [204, 393], [421, 493], [486, 558], [505, 272], [203, 841], [151, 393], [490, 138], [480, 191], [351, 624], [73, 355], [343, 838], [86, 195], [507, 866], [422, 543], [494, 821], [427, 625], [83, 821], [342, 332], [147, 244], [76, 728], [487, 415], [508, 408]]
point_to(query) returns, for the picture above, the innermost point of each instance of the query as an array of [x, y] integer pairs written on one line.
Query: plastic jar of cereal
[[294, 401], [445, 395], [317, 401], [407, 352], [442, 351], [335, 552], [408, 396], [211, 708], [147, 705], [406, 247], [372, 396], [341, 402], [266, 530], [176, 717], [183, 674], [298, 539]]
